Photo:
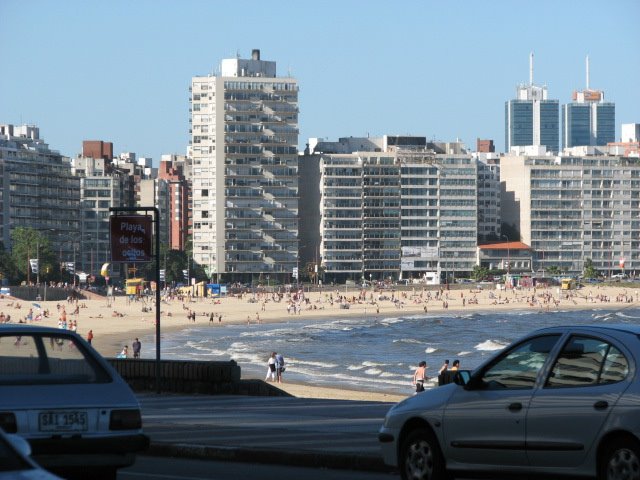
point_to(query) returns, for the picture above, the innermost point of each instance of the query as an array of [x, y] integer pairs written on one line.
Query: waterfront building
[[244, 137], [37, 189], [106, 182], [532, 118], [368, 232], [588, 120], [489, 220], [575, 207], [175, 171]]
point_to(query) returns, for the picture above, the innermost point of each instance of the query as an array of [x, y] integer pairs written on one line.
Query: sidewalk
[[293, 431]]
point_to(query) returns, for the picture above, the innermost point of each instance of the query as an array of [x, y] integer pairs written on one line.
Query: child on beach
[[419, 376]]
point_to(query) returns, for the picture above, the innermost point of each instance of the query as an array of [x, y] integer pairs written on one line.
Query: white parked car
[[15, 463], [79, 416], [563, 401]]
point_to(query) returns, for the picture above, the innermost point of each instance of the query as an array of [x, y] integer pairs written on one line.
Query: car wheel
[[421, 458], [620, 460]]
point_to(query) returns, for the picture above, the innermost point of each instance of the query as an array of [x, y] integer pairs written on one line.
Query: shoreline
[[119, 323]]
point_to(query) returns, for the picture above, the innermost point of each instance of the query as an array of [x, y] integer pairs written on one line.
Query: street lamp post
[[508, 254]]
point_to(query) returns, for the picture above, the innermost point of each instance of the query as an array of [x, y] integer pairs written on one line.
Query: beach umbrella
[[37, 305]]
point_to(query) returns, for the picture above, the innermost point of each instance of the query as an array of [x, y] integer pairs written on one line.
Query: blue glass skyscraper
[[588, 120], [531, 118]]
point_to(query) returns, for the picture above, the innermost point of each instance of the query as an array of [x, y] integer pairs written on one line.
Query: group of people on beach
[[420, 375], [275, 367]]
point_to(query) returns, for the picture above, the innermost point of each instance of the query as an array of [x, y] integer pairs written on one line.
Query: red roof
[[505, 246]]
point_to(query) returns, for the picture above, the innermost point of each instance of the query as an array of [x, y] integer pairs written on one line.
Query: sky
[[119, 70]]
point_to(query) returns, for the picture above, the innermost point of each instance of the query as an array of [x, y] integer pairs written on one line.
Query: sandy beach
[[118, 322]]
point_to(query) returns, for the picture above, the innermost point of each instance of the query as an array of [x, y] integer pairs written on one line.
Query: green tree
[[28, 243], [589, 270], [554, 270], [479, 273], [8, 269]]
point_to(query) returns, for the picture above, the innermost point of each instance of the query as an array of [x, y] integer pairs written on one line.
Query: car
[[562, 401], [15, 463], [619, 276], [67, 401]]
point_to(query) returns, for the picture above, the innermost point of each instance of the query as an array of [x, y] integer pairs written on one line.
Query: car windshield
[[47, 359], [519, 367]]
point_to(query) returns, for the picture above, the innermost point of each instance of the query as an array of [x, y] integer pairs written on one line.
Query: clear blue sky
[[120, 70]]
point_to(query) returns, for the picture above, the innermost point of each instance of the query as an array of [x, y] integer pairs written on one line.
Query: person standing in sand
[[279, 367], [420, 376], [271, 368]]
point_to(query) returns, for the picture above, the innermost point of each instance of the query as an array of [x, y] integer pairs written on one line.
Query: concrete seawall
[[182, 376]]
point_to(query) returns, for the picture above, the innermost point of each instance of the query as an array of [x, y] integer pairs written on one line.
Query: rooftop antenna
[[531, 68], [587, 72]]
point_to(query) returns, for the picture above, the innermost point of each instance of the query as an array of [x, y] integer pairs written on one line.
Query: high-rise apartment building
[[174, 171], [532, 118], [588, 120], [37, 189], [570, 208], [244, 137], [398, 211]]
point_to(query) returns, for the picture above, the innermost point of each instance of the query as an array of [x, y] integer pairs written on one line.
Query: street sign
[[295, 272], [130, 238]]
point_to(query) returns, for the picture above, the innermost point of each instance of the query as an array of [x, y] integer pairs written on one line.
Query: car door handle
[[601, 405], [515, 407]]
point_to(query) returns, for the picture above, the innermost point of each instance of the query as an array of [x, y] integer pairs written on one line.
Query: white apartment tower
[[244, 138]]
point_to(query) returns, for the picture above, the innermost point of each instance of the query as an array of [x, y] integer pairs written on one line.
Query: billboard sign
[[131, 238]]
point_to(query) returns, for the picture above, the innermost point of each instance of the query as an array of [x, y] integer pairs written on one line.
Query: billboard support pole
[[156, 229]]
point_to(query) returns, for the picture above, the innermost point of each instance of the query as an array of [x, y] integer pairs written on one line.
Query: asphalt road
[[147, 468]]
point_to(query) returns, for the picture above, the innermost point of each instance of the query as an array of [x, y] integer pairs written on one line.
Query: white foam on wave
[[463, 353], [490, 345], [390, 320], [355, 367], [307, 363], [373, 364], [373, 371], [408, 340], [430, 350], [624, 315]]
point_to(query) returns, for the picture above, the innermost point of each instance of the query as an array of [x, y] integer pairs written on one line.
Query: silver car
[[560, 401], [79, 416]]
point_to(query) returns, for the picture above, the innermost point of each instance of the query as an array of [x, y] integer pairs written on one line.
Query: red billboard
[[131, 238]]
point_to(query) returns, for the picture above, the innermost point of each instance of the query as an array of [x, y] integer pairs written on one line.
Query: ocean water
[[368, 353]]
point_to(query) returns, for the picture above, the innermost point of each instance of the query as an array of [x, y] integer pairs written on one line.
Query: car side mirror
[[462, 377]]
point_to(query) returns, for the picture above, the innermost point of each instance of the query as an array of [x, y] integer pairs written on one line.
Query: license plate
[[63, 421]]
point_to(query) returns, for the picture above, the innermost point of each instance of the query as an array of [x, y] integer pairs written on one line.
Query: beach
[[117, 322]]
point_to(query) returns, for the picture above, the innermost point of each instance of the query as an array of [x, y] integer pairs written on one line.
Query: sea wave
[[430, 350], [490, 345]]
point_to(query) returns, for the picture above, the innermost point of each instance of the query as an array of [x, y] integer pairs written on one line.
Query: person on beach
[[90, 336], [419, 376], [279, 367], [137, 346], [456, 366], [271, 368], [444, 367], [124, 353]]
